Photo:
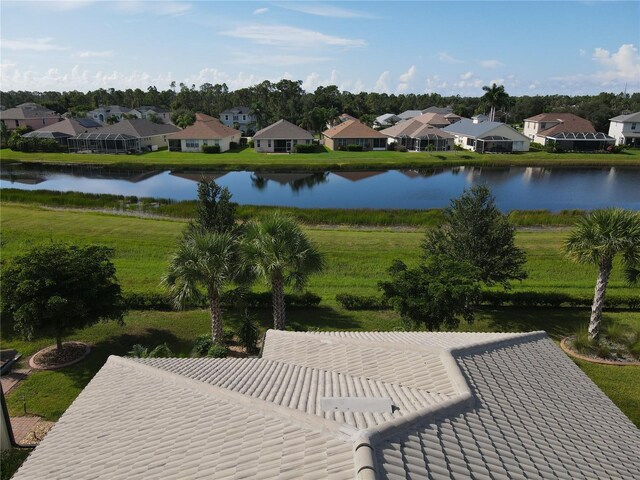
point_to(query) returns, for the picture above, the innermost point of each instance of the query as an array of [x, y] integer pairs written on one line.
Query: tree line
[[271, 101]]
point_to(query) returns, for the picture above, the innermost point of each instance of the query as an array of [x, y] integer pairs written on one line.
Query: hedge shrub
[[359, 302], [211, 149], [310, 148], [263, 300]]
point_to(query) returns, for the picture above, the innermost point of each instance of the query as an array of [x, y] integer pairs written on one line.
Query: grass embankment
[[309, 216], [248, 159], [356, 261]]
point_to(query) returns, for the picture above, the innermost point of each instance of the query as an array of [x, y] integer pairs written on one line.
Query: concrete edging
[[35, 366], [565, 348]]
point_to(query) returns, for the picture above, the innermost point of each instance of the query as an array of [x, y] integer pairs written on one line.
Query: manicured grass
[[248, 159], [11, 460], [50, 393], [356, 258]]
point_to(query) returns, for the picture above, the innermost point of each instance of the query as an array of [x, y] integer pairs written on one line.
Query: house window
[[192, 144], [633, 126], [379, 142], [235, 118], [226, 117], [471, 142], [295, 142], [216, 142], [244, 117], [269, 143], [307, 142], [258, 143], [17, 123]]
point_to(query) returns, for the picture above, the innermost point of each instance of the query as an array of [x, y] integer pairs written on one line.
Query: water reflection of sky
[[514, 188]]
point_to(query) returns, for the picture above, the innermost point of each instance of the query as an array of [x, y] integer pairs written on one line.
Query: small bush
[[202, 345], [618, 333], [603, 350], [211, 149], [392, 146], [147, 301], [161, 351], [310, 148], [233, 145], [536, 147], [248, 333], [581, 342], [359, 302], [351, 148], [250, 144], [634, 349], [217, 351]]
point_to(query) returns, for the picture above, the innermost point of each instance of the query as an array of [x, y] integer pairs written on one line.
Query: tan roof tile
[[204, 128], [352, 129]]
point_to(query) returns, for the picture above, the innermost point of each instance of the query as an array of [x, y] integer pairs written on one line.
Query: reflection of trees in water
[[41, 173], [424, 172], [297, 181]]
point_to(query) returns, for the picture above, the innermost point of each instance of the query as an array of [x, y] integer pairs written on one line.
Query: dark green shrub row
[[147, 301], [21, 144], [351, 148], [233, 145], [360, 302], [263, 300], [310, 148], [211, 149]]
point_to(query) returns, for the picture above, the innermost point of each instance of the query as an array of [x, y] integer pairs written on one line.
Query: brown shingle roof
[[205, 128], [283, 130], [71, 126], [25, 111], [414, 128], [569, 123], [435, 119], [138, 127], [352, 129]]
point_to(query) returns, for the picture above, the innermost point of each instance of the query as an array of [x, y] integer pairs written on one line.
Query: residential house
[[239, 118], [134, 135], [64, 129], [487, 137], [352, 132], [345, 405], [625, 129], [148, 111], [416, 135], [434, 119], [30, 115], [440, 110], [205, 130], [567, 131], [280, 137], [409, 114], [103, 113], [386, 120], [343, 117]]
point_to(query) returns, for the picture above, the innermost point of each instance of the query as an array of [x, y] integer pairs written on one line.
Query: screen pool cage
[[103, 143], [494, 144], [581, 142]]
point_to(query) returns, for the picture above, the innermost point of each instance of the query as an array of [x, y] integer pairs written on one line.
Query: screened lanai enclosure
[[494, 144], [430, 141], [581, 142], [103, 143]]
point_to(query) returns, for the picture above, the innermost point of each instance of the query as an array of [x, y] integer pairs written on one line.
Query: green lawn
[[248, 159]]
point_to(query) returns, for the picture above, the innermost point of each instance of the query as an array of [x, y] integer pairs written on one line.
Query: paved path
[[22, 426], [11, 379]]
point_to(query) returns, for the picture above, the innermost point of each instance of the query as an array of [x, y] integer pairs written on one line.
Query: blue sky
[[451, 47]]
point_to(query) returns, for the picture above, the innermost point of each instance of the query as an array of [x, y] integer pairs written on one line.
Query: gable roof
[[440, 110], [407, 114], [111, 109], [432, 118], [26, 111], [204, 128], [465, 127], [414, 128], [150, 108], [567, 123], [71, 126], [465, 404], [138, 127], [237, 111], [630, 117], [352, 129], [283, 130]]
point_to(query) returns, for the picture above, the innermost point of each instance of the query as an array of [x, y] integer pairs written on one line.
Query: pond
[[515, 188]]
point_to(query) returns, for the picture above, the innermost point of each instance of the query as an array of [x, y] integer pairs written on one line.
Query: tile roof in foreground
[[466, 405]]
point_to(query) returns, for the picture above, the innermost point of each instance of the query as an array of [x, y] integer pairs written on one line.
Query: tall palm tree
[[597, 239], [277, 250], [495, 97], [208, 261]]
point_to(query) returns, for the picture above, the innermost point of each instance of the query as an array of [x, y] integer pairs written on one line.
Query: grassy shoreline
[[248, 159]]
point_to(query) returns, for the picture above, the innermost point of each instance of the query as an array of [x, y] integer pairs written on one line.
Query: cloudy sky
[[450, 47]]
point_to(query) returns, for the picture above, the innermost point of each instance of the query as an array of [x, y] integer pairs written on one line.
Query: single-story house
[[148, 111], [240, 118], [485, 137], [343, 117], [133, 135], [103, 113], [386, 120], [567, 131], [434, 119], [416, 135], [625, 129], [280, 137], [345, 405], [30, 115], [352, 132], [205, 130], [61, 131]]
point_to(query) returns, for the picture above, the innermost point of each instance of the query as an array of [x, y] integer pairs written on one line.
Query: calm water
[[514, 188]]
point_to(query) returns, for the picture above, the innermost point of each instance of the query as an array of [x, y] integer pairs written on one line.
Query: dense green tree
[[597, 239], [215, 212], [201, 268], [60, 287], [435, 294], [278, 251], [495, 97], [473, 230]]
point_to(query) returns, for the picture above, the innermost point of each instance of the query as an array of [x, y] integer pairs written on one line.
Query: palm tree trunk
[[59, 342], [277, 291], [598, 298], [216, 319]]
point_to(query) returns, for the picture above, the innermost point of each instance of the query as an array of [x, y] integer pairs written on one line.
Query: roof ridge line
[[497, 342], [302, 419]]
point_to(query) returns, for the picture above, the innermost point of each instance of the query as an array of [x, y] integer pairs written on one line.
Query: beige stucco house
[[281, 137], [206, 130], [353, 132], [29, 115]]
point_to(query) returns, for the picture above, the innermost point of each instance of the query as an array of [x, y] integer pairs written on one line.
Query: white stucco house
[[487, 137], [240, 118], [206, 130], [147, 111], [102, 113], [625, 129]]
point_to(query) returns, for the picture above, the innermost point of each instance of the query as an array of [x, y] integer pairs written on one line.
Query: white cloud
[[466, 76], [358, 87], [433, 83], [282, 35], [260, 11], [497, 81], [582, 52], [65, 5], [314, 80], [405, 79], [445, 57], [31, 44], [621, 66], [95, 54], [382, 84], [323, 10], [467, 80], [277, 60], [491, 64]]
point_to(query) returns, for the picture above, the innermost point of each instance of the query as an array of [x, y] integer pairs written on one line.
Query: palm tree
[[203, 260], [597, 239], [277, 250], [495, 97]]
